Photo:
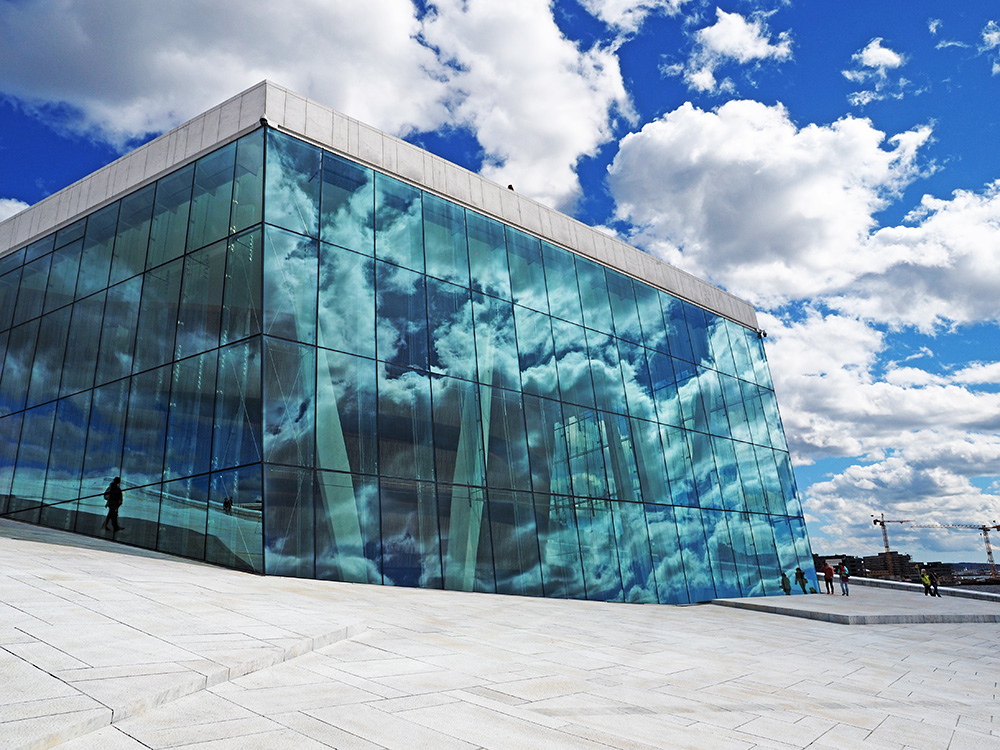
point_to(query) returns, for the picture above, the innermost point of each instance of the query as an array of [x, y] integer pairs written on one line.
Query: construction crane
[[882, 521], [984, 530]]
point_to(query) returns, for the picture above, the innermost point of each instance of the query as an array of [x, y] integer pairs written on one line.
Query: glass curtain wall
[[362, 381]]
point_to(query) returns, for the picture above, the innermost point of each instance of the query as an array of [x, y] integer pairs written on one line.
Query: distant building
[[312, 349]]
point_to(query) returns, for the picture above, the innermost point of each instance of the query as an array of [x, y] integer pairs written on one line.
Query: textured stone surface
[[435, 669]]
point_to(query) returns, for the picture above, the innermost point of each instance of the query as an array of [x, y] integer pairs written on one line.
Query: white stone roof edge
[[300, 116]]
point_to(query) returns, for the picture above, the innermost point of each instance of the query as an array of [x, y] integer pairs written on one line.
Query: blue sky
[[835, 163]]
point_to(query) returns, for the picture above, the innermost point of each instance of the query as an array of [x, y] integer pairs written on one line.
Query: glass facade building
[[301, 365]]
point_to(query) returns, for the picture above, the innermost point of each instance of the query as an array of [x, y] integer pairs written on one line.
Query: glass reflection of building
[[301, 365]]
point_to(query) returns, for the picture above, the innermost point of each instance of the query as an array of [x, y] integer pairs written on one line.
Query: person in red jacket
[[827, 571]]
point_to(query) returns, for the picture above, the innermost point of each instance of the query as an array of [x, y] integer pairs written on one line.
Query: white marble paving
[[266, 668]]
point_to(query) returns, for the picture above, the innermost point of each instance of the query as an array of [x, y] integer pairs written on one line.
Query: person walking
[[786, 585], [845, 576], [113, 500], [827, 571], [800, 579], [934, 583], [926, 580]]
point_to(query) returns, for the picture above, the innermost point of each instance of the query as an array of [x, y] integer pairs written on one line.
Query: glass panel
[[753, 490], [98, 246], [755, 343], [668, 569], [575, 383], [638, 385], [496, 352], [771, 481], [536, 353], [404, 423], [31, 292], [38, 248], [235, 534], [755, 413], [741, 355], [81, 345], [594, 295], [411, 551], [48, 364], [348, 536], [184, 517], [199, 314], [745, 554], [10, 261], [346, 301], [697, 568], [189, 426], [560, 281], [154, 341], [729, 474], [458, 438], [289, 521], [609, 390], [632, 537], [248, 187], [689, 392], [721, 555], [17, 367], [698, 330], [104, 453], [488, 256], [586, 452], [665, 396], [237, 438], [705, 476], [514, 528], [62, 483], [168, 231], [62, 277], [146, 427], [804, 552], [452, 345], [767, 554], [212, 197], [785, 546], [399, 236], [623, 474], [401, 316], [601, 569], [64, 236], [715, 406], [290, 283], [133, 234], [466, 548], [653, 482], [718, 338], [121, 316], [678, 338], [527, 278], [445, 246], [678, 458], [506, 443], [289, 407], [28, 485], [242, 298], [348, 205], [654, 334], [346, 413], [549, 461], [10, 435], [558, 538], [8, 296], [773, 420], [733, 397], [623, 307], [291, 196], [789, 491]]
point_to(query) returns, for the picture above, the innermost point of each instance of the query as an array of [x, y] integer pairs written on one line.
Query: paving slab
[[291, 663]]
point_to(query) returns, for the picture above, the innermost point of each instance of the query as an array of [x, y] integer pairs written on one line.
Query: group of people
[[828, 572], [930, 582], [800, 580]]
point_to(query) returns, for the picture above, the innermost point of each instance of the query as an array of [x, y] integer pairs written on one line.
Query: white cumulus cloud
[[991, 42], [10, 206], [732, 38], [117, 70], [770, 210], [628, 15], [872, 66]]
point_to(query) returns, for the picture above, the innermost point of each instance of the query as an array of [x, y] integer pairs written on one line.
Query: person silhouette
[[113, 500]]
